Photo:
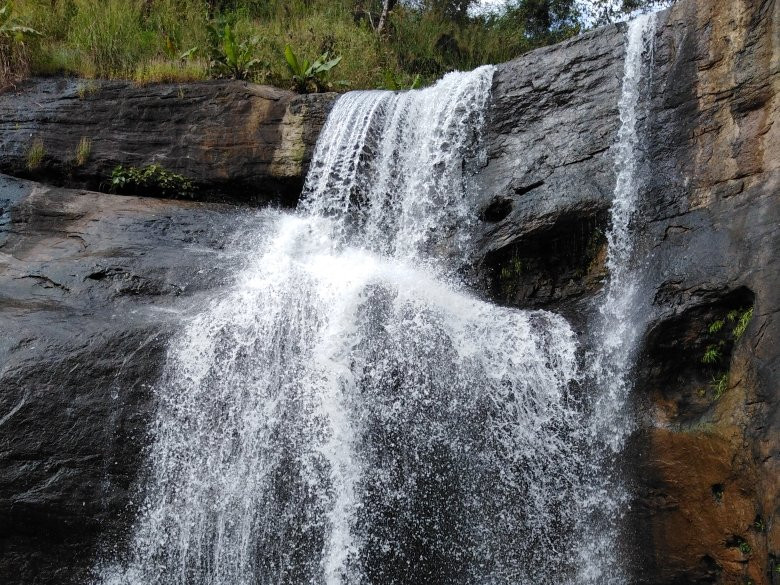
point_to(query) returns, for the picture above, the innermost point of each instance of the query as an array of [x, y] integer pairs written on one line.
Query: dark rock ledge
[[234, 139]]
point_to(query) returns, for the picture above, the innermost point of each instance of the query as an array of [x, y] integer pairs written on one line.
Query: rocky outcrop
[[707, 456], [710, 466], [234, 139]]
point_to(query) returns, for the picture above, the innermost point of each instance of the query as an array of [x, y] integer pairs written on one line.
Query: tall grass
[[144, 39]]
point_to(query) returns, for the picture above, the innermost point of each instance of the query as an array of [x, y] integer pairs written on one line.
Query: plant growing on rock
[[309, 77], [720, 383], [743, 320], [83, 150], [35, 155], [153, 179]]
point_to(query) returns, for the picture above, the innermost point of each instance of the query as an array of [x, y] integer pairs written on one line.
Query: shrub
[[229, 57], [152, 179], [309, 77]]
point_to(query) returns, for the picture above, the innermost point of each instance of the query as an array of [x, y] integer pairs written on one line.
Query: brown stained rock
[[234, 139]]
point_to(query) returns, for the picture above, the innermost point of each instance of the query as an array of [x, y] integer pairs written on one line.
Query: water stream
[[348, 412]]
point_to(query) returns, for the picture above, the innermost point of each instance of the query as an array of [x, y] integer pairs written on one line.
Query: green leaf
[[292, 61], [188, 54], [229, 45]]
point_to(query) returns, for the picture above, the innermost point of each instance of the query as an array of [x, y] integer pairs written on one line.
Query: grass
[[161, 70], [35, 155], [145, 39], [83, 150]]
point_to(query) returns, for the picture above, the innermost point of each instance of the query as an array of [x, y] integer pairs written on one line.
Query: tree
[[387, 6], [544, 21], [606, 11]]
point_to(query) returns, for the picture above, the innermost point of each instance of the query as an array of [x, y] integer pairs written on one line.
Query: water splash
[[346, 413]]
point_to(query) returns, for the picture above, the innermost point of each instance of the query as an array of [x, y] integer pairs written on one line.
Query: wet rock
[[91, 288], [231, 138], [707, 236]]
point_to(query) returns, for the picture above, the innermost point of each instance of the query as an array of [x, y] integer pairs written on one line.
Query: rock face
[[244, 141], [93, 285], [706, 459]]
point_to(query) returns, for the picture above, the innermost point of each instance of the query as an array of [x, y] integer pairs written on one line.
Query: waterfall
[[616, 336], [347, 412]]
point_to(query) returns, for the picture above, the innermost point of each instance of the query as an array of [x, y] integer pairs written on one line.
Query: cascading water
[[347, 412], [616, 336]]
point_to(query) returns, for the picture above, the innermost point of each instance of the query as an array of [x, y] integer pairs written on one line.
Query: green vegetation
[[83, 151], [712, 354], [151, 180], [14, 52], [229, 57], [720, 383], [309, 77], [723, 334], [743, 320], [35, 155], [759, 525], [178, 40]]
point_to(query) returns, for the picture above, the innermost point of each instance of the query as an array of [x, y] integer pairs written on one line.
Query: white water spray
[[346, 414]]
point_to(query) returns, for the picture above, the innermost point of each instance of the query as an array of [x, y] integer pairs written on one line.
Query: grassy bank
[[144, 40]]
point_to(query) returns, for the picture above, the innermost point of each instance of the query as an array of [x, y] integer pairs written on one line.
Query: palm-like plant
[[229, 56], [309, 77]]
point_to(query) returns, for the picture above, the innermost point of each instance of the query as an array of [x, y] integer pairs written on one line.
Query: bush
[[309, 77], [150, 180]]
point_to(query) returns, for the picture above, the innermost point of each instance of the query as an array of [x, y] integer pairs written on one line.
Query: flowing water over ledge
[[349, 413]]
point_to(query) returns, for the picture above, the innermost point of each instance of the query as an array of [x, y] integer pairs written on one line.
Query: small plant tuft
[[152, 178], [720, 384], [716, 326], [743, 320], [83, 150], [35, 155], [85, 90], [759, 525], [711, 355]]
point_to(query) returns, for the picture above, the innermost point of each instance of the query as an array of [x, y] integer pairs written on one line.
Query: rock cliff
[[232, 139], [706, 456], [93, 285]]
